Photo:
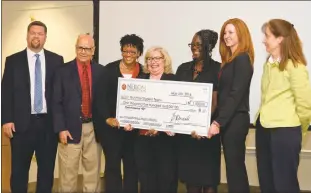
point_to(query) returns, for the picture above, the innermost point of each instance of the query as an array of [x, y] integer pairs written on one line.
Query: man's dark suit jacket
[[15, 88], [67, 99]]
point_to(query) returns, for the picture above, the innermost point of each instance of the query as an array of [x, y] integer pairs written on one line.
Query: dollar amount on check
[[179, 107]]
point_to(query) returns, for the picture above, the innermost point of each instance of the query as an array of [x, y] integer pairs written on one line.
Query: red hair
[[245, 42]]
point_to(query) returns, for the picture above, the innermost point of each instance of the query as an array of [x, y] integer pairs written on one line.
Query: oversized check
[[180, 107]]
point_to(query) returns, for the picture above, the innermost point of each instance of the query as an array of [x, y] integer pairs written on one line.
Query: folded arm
[[300, 85]]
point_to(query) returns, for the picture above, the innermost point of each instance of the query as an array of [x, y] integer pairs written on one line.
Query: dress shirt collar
[[274, 63], [31, 53], [80, 65]]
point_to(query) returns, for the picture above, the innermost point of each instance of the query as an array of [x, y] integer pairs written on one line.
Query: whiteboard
[[172, 24]]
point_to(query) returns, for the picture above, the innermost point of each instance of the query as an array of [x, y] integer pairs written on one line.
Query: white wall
[[172, 24], [65, 20]]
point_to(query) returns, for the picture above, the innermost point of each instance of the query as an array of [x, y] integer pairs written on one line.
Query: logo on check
[[134, 87], [123, 86]]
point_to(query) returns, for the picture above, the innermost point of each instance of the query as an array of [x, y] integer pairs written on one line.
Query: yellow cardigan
[[285, 96]]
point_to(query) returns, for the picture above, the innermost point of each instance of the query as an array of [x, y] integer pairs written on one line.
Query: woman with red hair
[[232, 120]]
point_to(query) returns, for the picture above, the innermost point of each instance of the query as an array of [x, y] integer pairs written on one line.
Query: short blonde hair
[[166, 56]]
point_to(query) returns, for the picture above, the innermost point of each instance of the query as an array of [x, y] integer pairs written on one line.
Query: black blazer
[[209, 74], [107, 94], [234, 87], [67, 99], [163, 77], [15, 89]]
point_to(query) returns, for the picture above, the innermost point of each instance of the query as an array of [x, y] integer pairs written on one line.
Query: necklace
[[197, 70], [126, 67]]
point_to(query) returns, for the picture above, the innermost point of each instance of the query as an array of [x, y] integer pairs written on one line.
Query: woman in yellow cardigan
[[285, 111]]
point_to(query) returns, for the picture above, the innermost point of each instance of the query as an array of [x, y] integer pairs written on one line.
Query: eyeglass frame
[[81, 49], [194, 45], [132, 53], [156, 59]]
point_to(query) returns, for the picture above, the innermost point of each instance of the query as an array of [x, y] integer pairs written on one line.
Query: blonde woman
[[285, 109], [154, 151]]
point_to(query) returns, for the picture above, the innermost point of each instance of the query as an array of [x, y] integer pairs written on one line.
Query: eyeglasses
[[132, 53], [156, 59], [194, 45], [81, 49]]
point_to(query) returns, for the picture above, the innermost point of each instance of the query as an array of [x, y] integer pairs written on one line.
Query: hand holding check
[[128, 127], [213, 130], [152, 133], [113, 122]]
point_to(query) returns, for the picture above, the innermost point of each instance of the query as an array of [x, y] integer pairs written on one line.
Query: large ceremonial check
[[179, 107]]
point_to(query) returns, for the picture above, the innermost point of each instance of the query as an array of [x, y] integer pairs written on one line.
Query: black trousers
[[41, 140], [156, 164], [118, 145], [277, 151], [233, 140]]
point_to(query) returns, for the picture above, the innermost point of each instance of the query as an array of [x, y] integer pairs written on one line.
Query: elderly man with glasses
[[74, 114]]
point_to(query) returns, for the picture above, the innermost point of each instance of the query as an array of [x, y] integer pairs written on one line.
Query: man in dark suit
[[26, 110], [74, 88]]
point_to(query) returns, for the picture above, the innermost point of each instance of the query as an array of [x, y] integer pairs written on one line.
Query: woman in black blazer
[[118, 143], [199, 159], [232, 120], [155, 151]]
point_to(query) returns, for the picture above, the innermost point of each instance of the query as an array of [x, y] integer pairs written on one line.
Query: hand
[[169, 133], [8, 129], [63, 136], [196, 136], [113, 122], [128, 127], [213, 130], [152, 132]]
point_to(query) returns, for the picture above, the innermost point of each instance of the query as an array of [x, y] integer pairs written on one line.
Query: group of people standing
[[77, 108]]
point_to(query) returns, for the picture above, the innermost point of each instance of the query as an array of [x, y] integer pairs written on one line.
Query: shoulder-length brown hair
[[245, 42], [291, 46]]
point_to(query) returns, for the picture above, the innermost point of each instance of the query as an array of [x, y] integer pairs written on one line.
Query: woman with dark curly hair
[[118, 142], [198, 158]]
